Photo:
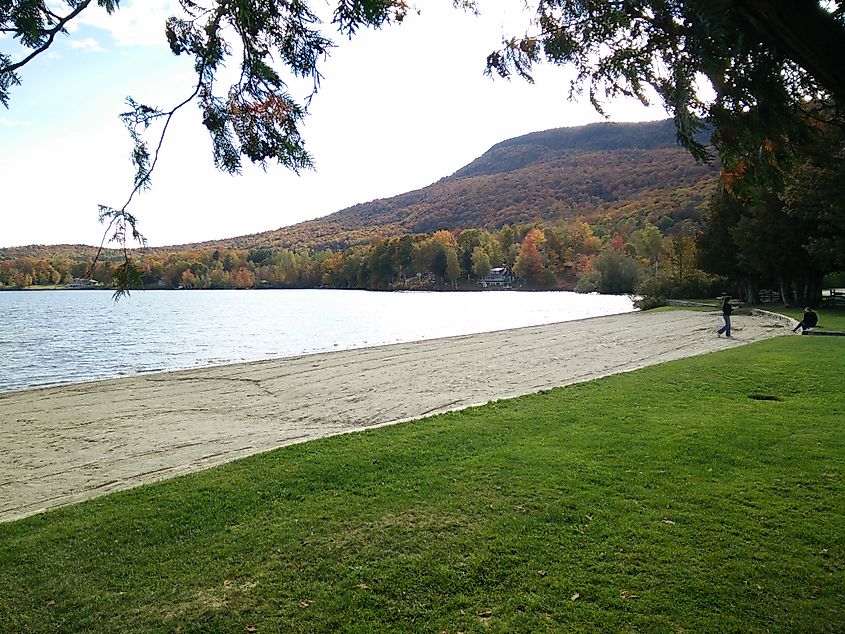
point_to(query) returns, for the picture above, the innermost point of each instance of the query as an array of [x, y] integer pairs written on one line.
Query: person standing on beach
[[727, 309]]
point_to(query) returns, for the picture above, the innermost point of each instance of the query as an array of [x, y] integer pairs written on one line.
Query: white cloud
[[11, 123], [135, 23], [88, 44]]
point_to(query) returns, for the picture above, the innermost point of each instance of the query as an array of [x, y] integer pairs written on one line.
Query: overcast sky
[[399, 108]]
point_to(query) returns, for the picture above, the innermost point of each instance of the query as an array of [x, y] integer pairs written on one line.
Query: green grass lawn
[[830, 318], [702, 495]]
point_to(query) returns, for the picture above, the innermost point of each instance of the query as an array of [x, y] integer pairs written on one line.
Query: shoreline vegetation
[[702, 494], [565, 255]]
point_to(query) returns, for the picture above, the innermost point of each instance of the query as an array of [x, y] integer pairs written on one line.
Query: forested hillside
[[587, 207], [599, 172]]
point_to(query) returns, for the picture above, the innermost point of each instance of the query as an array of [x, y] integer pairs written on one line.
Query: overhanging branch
[[51, 35]]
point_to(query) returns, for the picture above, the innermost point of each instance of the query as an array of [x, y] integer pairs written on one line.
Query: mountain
[[601, 172], [598, 172]]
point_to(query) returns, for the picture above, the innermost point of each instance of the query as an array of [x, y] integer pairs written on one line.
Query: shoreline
[[67, 443], [104, 359], [147, 373]]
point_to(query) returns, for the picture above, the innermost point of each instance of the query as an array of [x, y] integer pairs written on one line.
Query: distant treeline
[[564, 255]]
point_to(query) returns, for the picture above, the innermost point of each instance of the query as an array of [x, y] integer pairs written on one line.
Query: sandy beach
[[65, 444]]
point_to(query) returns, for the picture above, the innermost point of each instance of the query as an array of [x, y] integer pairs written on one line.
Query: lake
[[54, 337]]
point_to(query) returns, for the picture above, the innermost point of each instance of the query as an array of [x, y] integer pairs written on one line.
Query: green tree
[[405, 255], [439, 262], [717, 250], [468, 241], [382, 262], [680, 257], [787, 233], [648, 243], [814, 194], [618, 272], [480, 262], [453, 266]]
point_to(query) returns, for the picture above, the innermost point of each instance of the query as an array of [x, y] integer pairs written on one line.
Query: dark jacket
[[810, 318]]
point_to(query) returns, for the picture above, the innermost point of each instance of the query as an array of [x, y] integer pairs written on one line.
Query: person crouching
[[809, 320]]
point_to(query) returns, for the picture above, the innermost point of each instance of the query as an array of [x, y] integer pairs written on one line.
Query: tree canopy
[[765, 60], [766, 56]]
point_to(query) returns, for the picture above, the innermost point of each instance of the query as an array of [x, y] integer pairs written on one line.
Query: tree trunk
[[810, 291], [786, 292], [748, 287]]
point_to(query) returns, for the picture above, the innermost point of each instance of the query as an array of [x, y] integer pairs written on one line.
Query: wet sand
[[65, 444]]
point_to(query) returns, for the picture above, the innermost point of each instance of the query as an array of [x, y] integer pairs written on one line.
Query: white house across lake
[[500, 277]]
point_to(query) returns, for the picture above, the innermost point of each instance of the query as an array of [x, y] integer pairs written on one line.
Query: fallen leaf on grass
[[575, 597], [51, 602]]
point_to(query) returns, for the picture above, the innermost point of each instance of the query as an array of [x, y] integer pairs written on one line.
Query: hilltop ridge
[[601, 170], [597, 172]]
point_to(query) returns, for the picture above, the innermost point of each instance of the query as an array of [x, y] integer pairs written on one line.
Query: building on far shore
[[500, 277], [81, 282]]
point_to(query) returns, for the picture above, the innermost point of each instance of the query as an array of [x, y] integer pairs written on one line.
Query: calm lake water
[[53, 337]]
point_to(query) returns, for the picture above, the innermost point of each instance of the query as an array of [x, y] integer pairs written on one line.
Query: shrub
[[647, 302], [619, 272], [697, 284]]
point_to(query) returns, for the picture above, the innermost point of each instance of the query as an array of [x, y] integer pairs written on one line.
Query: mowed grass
[[830, 318], [703, 495]]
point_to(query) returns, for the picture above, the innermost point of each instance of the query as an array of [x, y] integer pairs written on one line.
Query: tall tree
[[530, 263], [717, 250], [814, 194], [758, 242], [480, 262], [648, 243]]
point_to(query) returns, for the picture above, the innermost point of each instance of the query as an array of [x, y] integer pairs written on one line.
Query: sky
[[398, 109]]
